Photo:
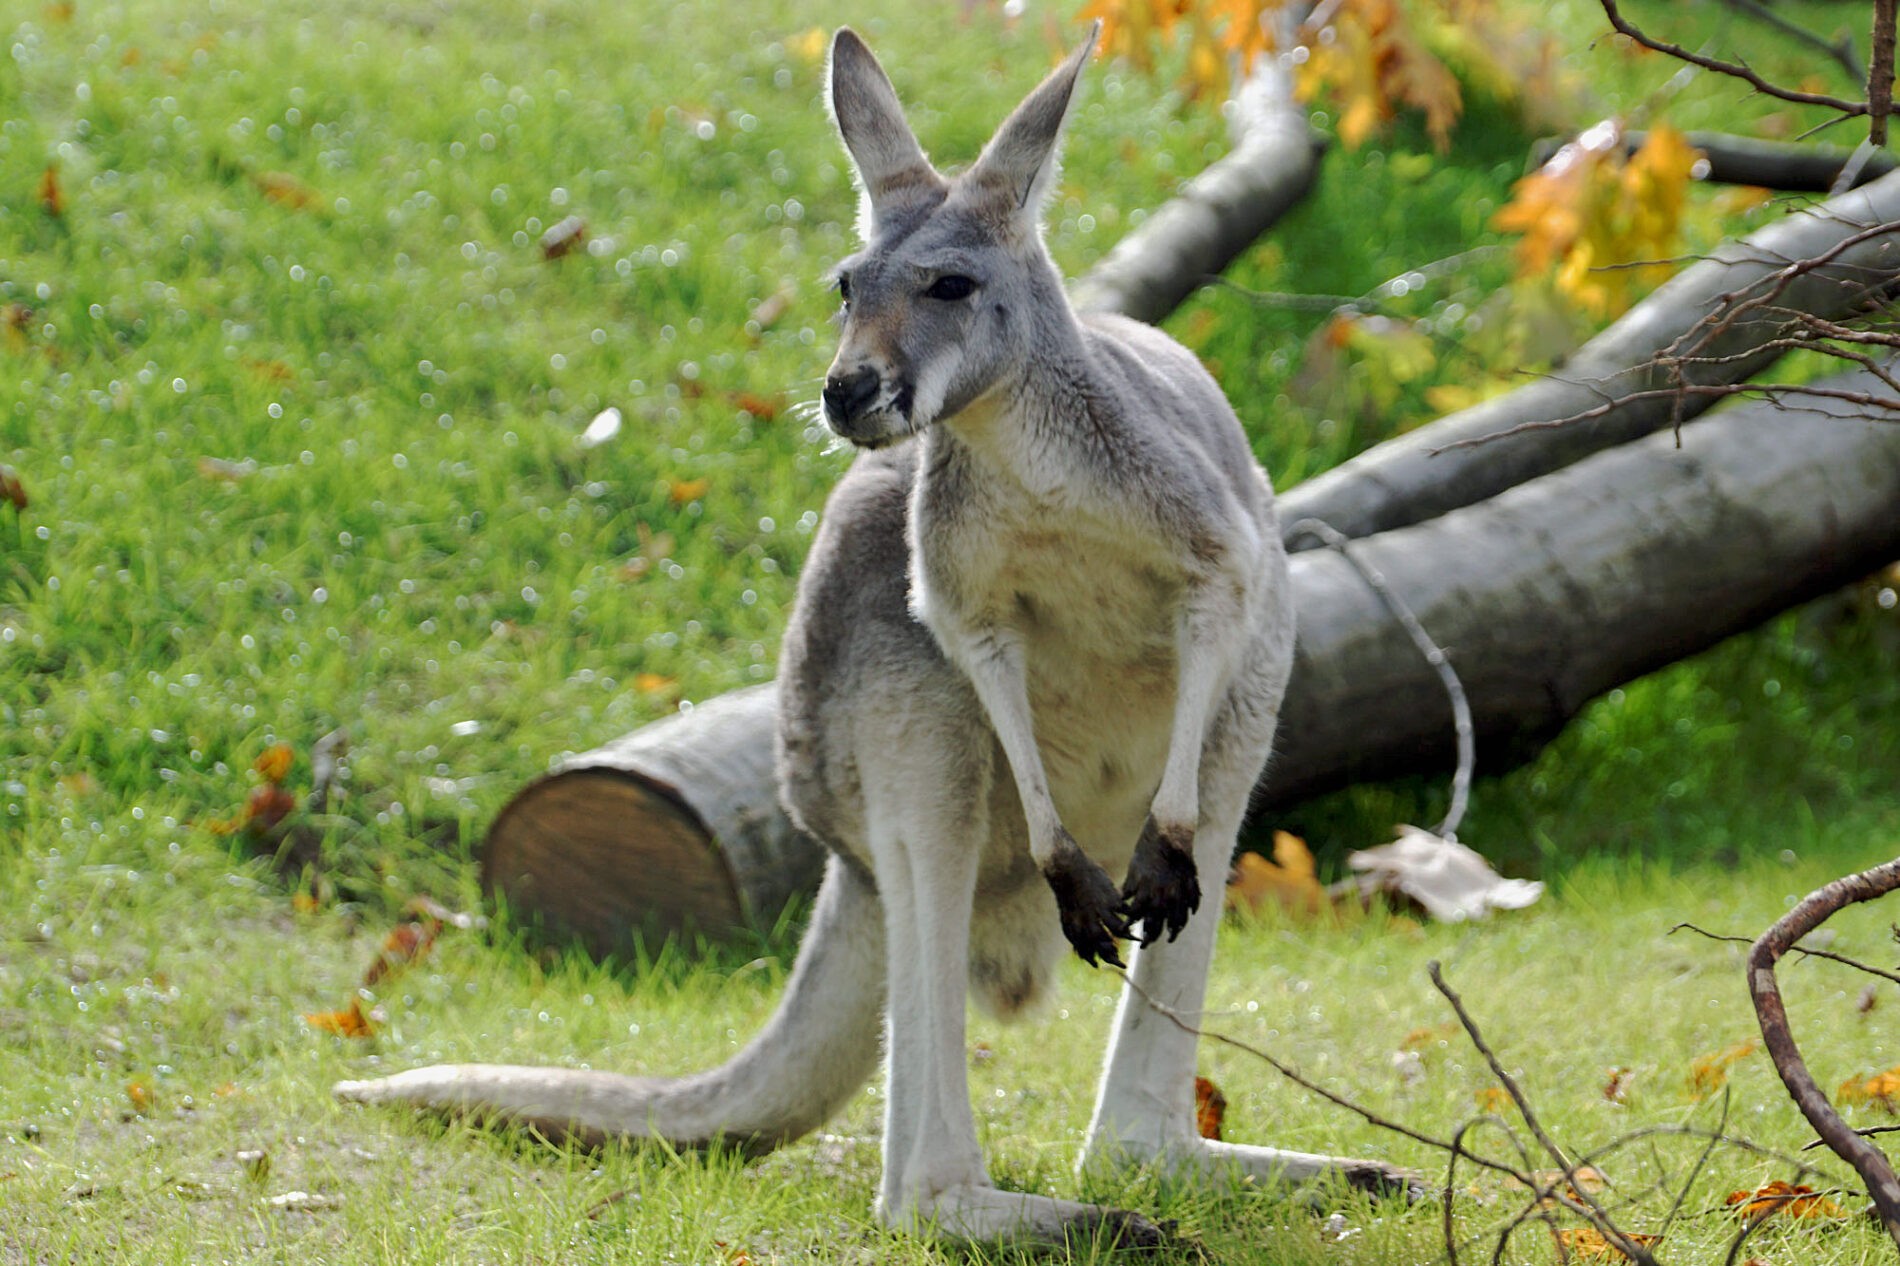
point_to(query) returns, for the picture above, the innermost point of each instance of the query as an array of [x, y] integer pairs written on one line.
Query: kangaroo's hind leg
[[926, 842], [1144, 1110]]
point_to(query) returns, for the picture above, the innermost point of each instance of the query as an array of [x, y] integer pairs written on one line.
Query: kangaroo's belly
[[1100, 662]]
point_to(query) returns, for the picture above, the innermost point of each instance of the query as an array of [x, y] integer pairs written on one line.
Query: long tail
[[818, 1049]]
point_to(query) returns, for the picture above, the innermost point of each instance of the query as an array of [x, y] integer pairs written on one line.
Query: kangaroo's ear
[[890, 164], [1021, 161]]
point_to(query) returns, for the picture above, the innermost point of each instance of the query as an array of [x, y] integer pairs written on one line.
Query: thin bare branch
[[1602, 1220], [1293, 1075], [1880, 73], [1848, 109], [1809, 913], [1841, 48], [1832, 957]]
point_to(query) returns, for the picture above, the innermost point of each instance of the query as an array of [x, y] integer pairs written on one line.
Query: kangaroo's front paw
[[1090, 905], [1162, 888]]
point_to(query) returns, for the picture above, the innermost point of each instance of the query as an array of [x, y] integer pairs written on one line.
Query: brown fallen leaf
[[11, 489], [563, 237], [140, 1093], [1869, 997], [1784, 1198], [1709, 1072], [52, 198], [273, 763], [764, 408], [681, 491], [1881, 1090], [347, 1023], [1430, 1035], [1589, 1244], [1585, 1180], [286, 190], [653, 547], [1494, 1099], [1617, 1088], [1290, 880], [1210, 1108], [406, 943]]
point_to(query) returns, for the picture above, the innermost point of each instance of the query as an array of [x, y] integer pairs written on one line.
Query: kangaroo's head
[[953, 287]]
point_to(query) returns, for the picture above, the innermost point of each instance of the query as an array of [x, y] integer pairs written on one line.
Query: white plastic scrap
[[1451, 881]]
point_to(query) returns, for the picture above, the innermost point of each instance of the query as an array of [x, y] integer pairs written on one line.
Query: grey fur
[[1050, 626]]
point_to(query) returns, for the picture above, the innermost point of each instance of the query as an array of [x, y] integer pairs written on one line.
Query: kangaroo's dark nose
[[846, 396]]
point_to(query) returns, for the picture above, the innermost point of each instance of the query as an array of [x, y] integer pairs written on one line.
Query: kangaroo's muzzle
[[848, 396]]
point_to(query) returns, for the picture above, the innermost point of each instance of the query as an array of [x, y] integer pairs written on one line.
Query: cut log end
[[607, 858]]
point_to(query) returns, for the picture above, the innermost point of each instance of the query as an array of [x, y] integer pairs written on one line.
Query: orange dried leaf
[[273, 763], [1709, 1073], [809, 45], [1210, 1108], [1495, 1099], [1430, 1035], [268, 805], [1784, 1198], [305, 903], [1589, 1244], [1288, 881], [52, 198], [654, 683], [140, 1093], [1617, 1088], [286, 190], [764, 408], [1881, 1090], [405, 944], [681, 491], [348, 1023]]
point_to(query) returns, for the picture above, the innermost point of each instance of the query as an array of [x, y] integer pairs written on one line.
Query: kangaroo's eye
[[951, 288], [844, 288]]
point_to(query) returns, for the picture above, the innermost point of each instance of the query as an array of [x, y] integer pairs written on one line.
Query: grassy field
[[296, 400]]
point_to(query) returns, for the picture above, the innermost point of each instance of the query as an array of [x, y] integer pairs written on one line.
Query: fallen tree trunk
[[1548, 594], [1192, 237], [1788, 166], [1624, 372]]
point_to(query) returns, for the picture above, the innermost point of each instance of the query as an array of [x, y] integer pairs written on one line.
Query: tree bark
[[1548, 594], [1417, 476], [1192, 237], [1788, 166]]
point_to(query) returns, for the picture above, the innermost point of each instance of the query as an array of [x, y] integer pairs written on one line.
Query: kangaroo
[[1040, 643]]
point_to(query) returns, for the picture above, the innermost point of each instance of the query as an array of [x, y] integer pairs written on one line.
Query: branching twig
[[1832, 957], [1613, 1233], [1813, 910], [1287, 1071], [1841, 49], [1848, 109]]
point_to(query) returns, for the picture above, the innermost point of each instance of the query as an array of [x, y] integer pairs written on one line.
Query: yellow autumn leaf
[[1708, 1073], [1290, 881], [1586, 1243], [809, 45]]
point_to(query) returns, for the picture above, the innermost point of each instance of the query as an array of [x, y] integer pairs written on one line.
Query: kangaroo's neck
[[1025, 427]]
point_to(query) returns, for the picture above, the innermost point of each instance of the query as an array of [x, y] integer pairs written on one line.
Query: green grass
[[417, 550]]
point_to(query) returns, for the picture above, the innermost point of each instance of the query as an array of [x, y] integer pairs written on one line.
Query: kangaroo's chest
[[1093, 605]]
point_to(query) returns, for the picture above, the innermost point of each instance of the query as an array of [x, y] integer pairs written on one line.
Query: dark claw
[[1378, 1179], [1090, 906], [1162, 888], [1124, 1230]]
